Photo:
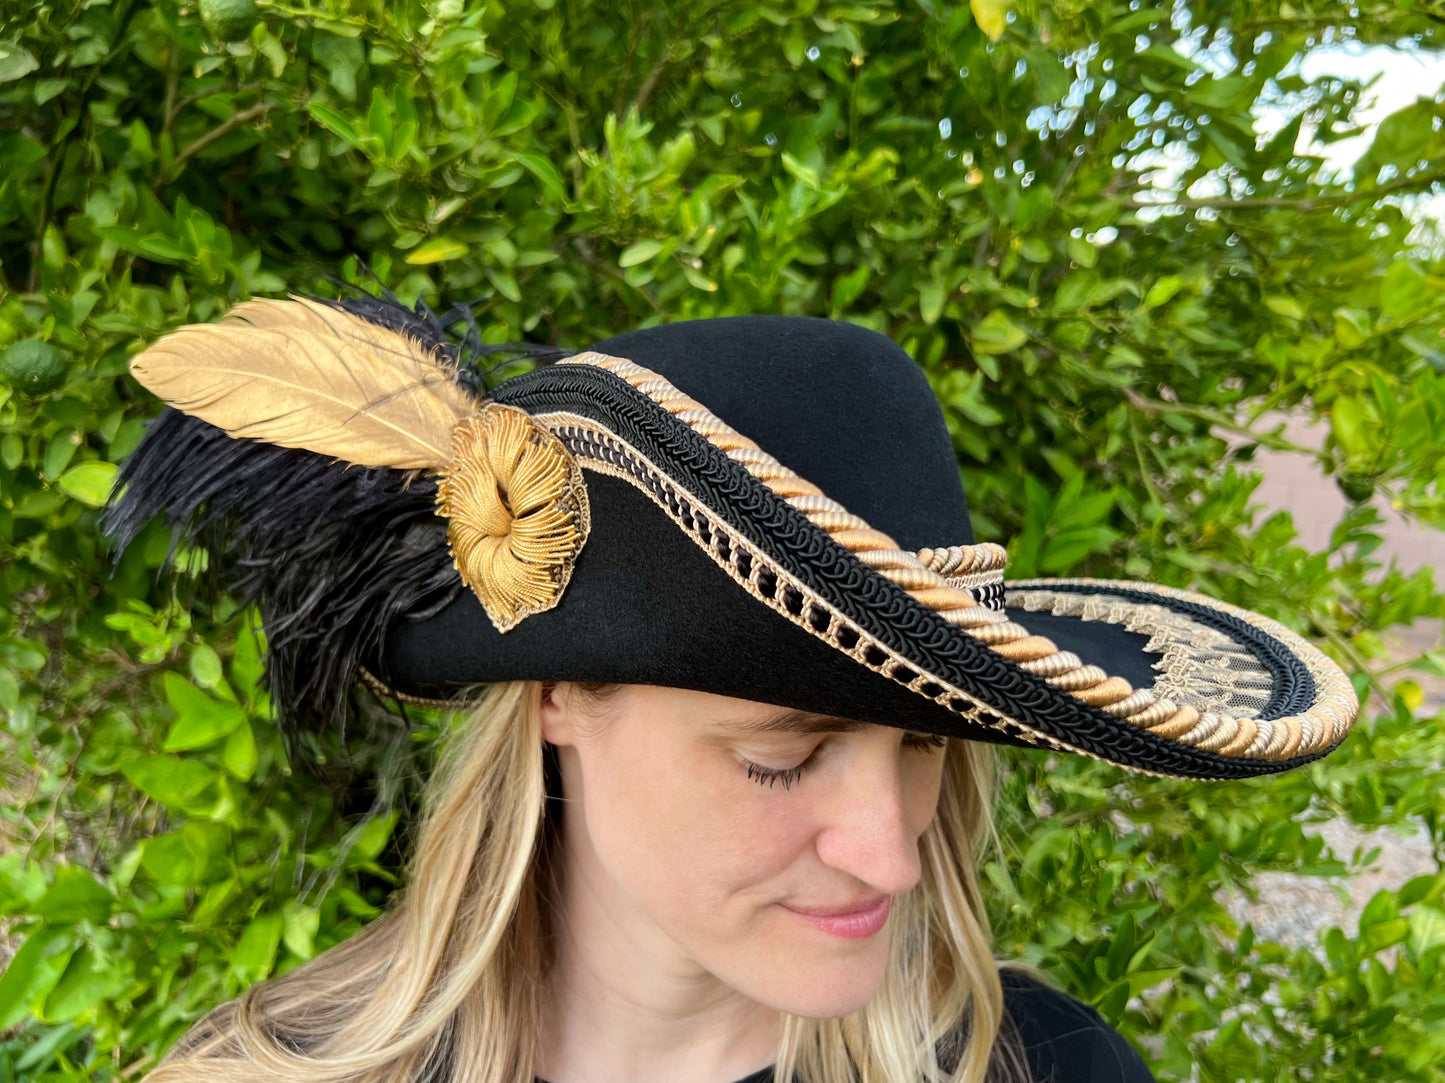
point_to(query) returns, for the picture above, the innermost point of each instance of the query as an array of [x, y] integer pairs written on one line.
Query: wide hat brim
[[763, 507], [712, 565]]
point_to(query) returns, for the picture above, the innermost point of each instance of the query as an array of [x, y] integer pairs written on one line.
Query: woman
[[758, 696]]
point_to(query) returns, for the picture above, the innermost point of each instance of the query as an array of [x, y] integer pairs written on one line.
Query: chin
[[822, 988]]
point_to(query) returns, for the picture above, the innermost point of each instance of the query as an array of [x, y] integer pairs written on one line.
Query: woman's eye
[[929, 742], [772, 776]]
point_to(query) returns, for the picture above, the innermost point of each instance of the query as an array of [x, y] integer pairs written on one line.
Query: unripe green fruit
[[229, 20], [1357, 487], [33, 366]]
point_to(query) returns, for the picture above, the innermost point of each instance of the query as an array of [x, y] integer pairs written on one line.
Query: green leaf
[[1082, 252], [849, 287], [9, 689], [87, 980], [334, 122], [546, 173], [436, 250], [996, 333], [991, 16], [201, 719], [371, 838], [32, 972], [1050, 75], [172, 781], [75, 895], [1231, 151], [805, 173], [58, 455], [15, 62], [1035, 250], [1075, 291], [1404, 291], [930, 302], [239, 753], [505, 281], [182, 858], [1066, 548], [256, 951], [1284, 305], [44, 1052], [1352, 327], [90, 482], [205, 666], [12, 450], [1121, 947], [21, 883], [1217, 93], [1427, 928], [299, 929], [1349, 422], [639, 252]]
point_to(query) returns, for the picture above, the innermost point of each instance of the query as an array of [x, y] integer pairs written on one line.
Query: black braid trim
[[883, 608], [1294, 685]]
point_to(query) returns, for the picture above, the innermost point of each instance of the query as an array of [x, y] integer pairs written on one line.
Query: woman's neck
[[625, 1005]]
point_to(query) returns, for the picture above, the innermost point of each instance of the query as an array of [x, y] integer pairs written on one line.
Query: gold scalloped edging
[[516, 510], [1324, 724], [1196, 663], [1037, 654]]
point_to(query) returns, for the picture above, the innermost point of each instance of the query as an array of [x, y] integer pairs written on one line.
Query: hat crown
[[843, 406]]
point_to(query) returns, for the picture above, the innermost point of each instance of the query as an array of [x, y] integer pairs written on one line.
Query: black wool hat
[[766, 507]]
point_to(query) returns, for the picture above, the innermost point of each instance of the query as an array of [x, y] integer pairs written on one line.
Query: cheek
[[684, 830], [922, 781]]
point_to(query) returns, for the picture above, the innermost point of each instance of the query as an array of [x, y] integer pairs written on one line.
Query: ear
[[557, 715]]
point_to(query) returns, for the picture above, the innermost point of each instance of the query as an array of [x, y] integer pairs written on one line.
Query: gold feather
[[301, 374]]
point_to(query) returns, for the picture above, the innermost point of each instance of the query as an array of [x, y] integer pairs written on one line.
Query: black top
[[1066, 1040]]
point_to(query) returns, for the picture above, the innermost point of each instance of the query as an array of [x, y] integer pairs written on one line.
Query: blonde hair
[[447, 986]]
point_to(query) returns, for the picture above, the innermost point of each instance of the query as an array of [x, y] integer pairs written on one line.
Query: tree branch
[[220, 130]]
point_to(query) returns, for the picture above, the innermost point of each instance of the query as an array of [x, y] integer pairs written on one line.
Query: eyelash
[[768, 776]]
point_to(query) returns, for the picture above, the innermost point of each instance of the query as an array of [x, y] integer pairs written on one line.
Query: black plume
[[330, 553]]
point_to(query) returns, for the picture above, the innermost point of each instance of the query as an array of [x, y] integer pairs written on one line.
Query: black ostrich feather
[[329, 553]]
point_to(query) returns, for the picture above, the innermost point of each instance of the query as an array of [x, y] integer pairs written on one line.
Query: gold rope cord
[[968, 567], [1324, 723], [516, 510]]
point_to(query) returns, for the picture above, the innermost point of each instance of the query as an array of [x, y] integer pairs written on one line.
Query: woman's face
[[758, 844]]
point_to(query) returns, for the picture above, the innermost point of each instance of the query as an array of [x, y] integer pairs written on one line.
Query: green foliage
[[1069, 213]]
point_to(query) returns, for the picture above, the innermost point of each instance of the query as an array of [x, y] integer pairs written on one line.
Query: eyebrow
[[793, 721]]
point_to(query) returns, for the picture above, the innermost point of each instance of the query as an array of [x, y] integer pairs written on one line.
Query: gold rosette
[[517, 512]]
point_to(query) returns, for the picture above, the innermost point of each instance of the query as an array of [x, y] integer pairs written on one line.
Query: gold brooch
[[516, 510]]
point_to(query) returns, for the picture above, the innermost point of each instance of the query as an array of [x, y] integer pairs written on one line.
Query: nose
[[867, 833]]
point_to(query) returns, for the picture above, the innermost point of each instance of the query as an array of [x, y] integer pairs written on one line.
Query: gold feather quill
[[301, 374]]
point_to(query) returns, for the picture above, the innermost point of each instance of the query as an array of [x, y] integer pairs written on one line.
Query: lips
[[857, 921]]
